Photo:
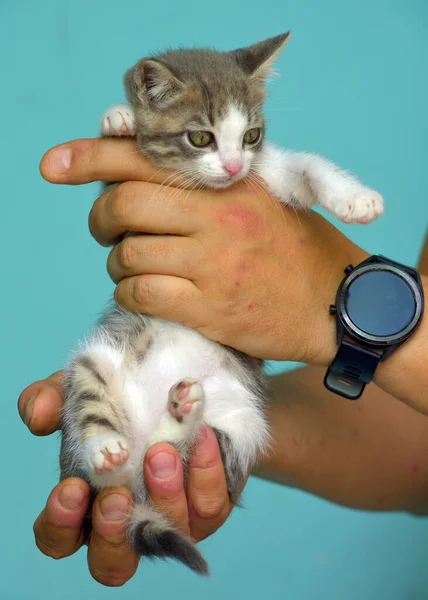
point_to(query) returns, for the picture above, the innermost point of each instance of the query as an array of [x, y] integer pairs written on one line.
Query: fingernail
[[163, 465], [114, 507], [71, 497], [60, 160], [28, 412]]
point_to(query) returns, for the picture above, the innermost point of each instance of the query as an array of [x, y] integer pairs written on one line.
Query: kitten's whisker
[[173, 177], [255, 187], [277, 203], [261, 185], [192, 189], [155, 174], [189, 181], [291, 203]]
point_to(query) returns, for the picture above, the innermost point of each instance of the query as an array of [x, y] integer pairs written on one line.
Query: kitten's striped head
[[201, 111]]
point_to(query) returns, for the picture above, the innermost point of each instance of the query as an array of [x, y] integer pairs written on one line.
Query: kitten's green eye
[[201, 138], [252, 135]]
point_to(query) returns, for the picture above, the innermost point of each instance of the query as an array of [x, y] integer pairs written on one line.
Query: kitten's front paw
[[185, 400], [364, 206], [118, 121], [106, 452]]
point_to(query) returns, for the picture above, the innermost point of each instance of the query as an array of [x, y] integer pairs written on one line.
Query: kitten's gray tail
[[151, 535]]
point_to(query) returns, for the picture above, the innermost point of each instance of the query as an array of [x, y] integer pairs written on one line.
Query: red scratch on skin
[[241, 220], [250, 306], [415, 468], [237, 284]]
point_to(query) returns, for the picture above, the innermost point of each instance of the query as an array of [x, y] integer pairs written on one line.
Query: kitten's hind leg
[[235, 475], [118, 121], [236, 416], [95, 422], [183, 418], [150, 533]]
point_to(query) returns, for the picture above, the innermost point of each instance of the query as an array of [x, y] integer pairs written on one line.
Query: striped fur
[[131, 383]]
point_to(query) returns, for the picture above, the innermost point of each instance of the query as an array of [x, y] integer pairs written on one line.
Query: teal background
[[354, 87]]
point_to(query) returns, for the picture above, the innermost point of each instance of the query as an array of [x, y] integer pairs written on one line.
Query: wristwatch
[[379, 305]]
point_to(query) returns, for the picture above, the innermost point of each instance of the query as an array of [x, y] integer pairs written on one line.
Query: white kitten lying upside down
[[139, 380]]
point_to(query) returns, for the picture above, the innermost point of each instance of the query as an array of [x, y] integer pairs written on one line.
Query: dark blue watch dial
[[380, 303]]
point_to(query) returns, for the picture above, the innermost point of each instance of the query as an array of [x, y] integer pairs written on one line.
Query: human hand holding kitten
[[212, 280]]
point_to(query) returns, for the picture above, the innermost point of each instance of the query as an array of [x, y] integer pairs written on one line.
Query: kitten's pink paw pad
[[364, 207], [185, 397], [119, 121], [108, 452]]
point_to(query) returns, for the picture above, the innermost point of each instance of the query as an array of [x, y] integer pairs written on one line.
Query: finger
[[207, 494], [155, 254], [58, 528], [158, 295], [110, 560], [39, 405], [100, 159], [143, 207], [163, 473]]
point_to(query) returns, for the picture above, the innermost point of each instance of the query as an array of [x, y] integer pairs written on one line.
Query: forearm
[[369, 454], [405, 373]]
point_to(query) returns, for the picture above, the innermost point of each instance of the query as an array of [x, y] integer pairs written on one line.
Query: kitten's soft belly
[[172, 353], [176, 353]]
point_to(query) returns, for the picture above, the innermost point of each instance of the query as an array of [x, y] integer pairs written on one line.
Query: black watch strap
[[344, 377]]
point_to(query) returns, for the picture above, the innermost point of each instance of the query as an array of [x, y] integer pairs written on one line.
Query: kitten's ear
[[152, 80], [257, 60]]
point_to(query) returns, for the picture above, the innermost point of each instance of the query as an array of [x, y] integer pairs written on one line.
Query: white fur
[[99, 446], [118, 121], [229, 136], [177, 353], [307, 179], [185, 431]]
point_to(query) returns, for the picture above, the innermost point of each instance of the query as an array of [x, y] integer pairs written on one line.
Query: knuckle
[[127, 253], [49, 548], [142, 291], [96, 218], [114, 543], [119, 202], [93, 154], [210, 508]]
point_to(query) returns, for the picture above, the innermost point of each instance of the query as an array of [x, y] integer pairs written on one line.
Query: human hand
[[198, 511], [234, 264]]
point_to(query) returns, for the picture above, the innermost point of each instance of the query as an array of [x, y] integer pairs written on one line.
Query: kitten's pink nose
[[233, 167]]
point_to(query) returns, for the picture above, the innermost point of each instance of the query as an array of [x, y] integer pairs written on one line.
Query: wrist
[[405, 373], [323, 347]]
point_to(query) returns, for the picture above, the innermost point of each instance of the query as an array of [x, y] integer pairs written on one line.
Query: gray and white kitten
[[139, 380]]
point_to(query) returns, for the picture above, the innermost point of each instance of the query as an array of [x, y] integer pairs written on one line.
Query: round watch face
[[380, 303]]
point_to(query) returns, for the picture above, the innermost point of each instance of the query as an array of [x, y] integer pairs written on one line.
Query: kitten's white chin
[[222, 182]]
